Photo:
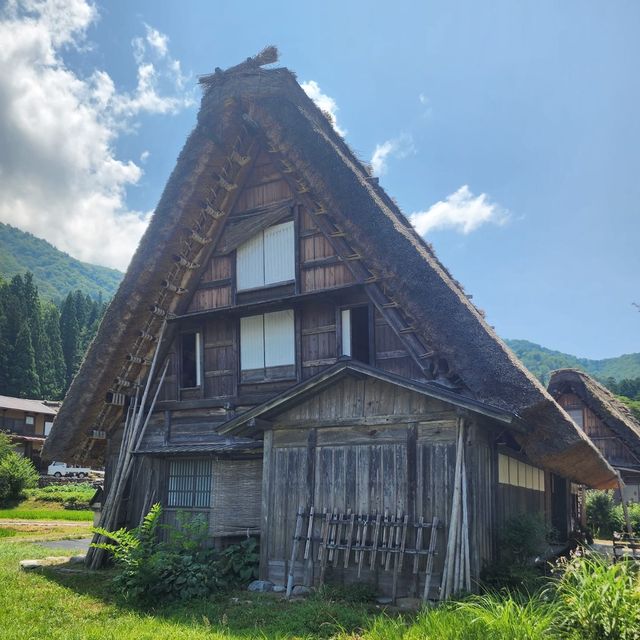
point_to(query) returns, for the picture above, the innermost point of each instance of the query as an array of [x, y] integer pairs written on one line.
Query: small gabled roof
[[270, 107], [316, 383], [615, 414], [28, 406]]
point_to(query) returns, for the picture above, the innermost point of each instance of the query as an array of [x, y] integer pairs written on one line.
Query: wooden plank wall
[[390, 354], [398, 454], [320, 267], [317, 337]]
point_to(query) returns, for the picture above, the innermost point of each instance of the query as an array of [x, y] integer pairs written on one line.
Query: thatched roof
[[270, 105], [615, 414]]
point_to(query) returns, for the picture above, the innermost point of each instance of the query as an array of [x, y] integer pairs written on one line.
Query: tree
[[53, 378], [23, 379], [69, 336]]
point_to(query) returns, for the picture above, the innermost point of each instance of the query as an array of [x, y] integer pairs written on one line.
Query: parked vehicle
[[59, 469]]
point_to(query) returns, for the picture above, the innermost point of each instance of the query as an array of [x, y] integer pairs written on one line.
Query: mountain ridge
[[55, 272]]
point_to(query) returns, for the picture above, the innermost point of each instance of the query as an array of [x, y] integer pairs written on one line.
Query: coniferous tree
[[53, 380], [23, 380], [70, 337]]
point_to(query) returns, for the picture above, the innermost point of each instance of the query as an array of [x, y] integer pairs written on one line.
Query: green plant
[[77, 493], [359, 592], [7, 533], [179, 567], [521, 539], [16, 474], [598, 600], [603, 518]]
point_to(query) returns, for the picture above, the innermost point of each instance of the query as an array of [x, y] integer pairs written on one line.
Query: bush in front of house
[[178, 565], [521, 540], [603, 515], [17, 473]]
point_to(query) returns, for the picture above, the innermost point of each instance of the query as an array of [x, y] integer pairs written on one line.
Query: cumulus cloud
[[461, 211], [399, 147], [59, 174], [325, 103]]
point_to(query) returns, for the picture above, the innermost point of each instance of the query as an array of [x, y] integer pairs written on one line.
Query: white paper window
[[191, 360], [577, 416], [267, 258], [29, 420], [346, 332], [189, 484], [267, 340], [47, 428], [519, 474]]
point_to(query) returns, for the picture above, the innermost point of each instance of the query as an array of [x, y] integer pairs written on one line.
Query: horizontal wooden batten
[[284, 302]]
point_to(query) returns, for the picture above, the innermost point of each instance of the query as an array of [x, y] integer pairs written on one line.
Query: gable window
[[355, 333], [267, 346], [268, 258], [189, 483], [577, 416], [190, 359]]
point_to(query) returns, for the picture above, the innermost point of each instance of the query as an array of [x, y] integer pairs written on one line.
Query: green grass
[[76, 492], [60, 606], [7, 533], [21, 513]]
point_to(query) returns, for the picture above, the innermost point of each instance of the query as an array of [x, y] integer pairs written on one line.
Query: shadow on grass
[[239, 614]]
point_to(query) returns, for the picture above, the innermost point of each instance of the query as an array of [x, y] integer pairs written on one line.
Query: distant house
[[607, 421], [319, 359], [28, 422]]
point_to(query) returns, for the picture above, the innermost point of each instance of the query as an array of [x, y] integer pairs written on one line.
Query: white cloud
[[461, 211], [59, 174], [325, 103], [399, 147]]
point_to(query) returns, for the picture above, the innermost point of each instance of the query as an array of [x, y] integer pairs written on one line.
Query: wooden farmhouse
[[291, 360], [608, 422], [27, 422]]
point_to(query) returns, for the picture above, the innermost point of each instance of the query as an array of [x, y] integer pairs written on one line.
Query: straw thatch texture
[[273, 103], [616, 415]]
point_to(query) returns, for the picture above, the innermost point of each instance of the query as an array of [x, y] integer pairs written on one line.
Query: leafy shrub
[[17, 473], [522, 538], [598, 600], [603, 518], [179, 567]]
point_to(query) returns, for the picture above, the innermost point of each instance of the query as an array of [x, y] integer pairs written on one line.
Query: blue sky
[[509, 129]]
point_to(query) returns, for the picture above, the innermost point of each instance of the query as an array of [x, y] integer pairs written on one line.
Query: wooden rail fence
[[364, 540]]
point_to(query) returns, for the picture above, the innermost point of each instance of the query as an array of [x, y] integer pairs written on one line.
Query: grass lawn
[[32, 509], [79, 606]]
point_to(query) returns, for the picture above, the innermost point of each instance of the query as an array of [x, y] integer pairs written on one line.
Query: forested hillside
[[541, 361], [54, 273], [41, 343]]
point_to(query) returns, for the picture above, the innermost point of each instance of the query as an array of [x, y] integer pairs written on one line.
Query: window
[[519, 474], [355, 333], [191, 358], [47, 428], [29, 421], [267, 258], [190, 483], [577, 416], [267, 345]]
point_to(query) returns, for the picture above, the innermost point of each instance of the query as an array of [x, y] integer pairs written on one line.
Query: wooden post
[[294, 550], [432, 548], [625, 510]]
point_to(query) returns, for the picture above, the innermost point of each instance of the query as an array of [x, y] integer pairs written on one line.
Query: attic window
[[190, 359], [266, 259], [267, 346], [519, 474], [577, 416], [355, 333]]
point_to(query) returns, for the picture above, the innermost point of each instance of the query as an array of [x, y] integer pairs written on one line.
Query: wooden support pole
[[294, 550]]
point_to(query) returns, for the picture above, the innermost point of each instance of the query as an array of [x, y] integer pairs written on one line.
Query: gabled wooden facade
[[318, 357], [608, 423]]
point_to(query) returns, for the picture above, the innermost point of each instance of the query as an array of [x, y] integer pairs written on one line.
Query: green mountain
[[540, 361], [55, 273]]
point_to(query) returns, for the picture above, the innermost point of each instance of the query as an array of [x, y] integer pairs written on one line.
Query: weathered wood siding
[[236, 493], [370, 447]]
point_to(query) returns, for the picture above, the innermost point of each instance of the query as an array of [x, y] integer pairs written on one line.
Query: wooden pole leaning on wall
[[294, 551], [132, 436], [452, 572]]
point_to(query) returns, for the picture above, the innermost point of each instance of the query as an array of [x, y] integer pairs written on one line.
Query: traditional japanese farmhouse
[[607, 421], [292, 361]]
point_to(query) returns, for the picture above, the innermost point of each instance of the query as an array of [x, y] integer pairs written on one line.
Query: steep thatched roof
[[270, 105], [616, 415]]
